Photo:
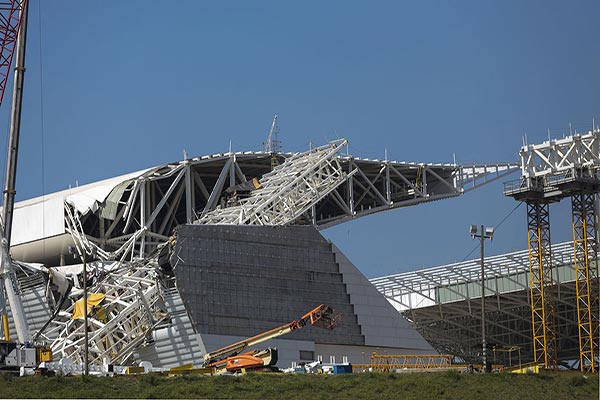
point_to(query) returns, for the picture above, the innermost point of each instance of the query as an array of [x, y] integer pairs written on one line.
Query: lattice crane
[[13, 26], [10, 21]]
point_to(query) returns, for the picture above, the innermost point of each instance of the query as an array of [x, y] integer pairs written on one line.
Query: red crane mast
[[10, 21]]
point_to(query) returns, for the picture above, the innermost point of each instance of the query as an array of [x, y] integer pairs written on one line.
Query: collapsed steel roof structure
[[123, 225], [321, 186]]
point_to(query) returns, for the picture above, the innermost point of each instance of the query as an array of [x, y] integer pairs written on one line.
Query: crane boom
[[322, 316], [13, 30], [11, 17]]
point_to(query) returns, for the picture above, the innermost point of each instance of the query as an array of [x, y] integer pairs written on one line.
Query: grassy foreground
[[422, 386]]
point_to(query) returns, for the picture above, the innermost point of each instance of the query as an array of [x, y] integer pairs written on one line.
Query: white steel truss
[[555, 156], [444, 304], [288, 191], [142, 210], [552, 171], [131, 309], [547, 169]]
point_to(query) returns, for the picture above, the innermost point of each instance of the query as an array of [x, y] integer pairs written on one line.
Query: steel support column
[[585, 248], [541, 284]]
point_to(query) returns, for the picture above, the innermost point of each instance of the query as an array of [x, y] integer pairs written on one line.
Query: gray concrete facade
[[238, 281]]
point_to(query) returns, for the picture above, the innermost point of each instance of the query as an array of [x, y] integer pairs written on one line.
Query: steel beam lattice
[[585, 247], [443, 303], [392, 362], [10, 21], [541, 284], [554, 157], [320, 187], [288, 191], [130, 310], [551, 171]]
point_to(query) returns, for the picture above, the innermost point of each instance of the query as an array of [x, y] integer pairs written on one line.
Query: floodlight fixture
[[485, 233], [473, 230]]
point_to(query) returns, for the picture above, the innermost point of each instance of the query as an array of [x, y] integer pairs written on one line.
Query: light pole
[[484, 233], [86, 370], [82, 256]]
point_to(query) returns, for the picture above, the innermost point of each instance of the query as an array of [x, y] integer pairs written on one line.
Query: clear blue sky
[[126, 85]]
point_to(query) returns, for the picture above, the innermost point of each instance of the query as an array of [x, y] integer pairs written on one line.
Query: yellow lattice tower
[[541, 284], [585, 247]]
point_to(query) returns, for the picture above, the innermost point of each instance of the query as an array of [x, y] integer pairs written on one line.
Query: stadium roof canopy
[[128, 216], [444, 303]]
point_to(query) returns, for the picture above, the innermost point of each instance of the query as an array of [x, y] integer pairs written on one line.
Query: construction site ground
[[422, 386]]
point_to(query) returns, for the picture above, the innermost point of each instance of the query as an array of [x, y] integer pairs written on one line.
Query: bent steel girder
[[142, 212], [131, 310], [287, 192]]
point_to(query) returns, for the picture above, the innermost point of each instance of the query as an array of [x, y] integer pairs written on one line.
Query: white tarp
[[89, 200]]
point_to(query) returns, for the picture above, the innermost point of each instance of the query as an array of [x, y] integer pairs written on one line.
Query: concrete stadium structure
[[241, 265]]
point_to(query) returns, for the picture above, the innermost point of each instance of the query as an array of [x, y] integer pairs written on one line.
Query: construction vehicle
[[230, 358]]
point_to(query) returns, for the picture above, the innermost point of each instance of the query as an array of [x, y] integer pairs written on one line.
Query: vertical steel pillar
[[388, 187], [483, 343], [143, 201], [351, 188], [189, 191], [541, 284], [585, 257]]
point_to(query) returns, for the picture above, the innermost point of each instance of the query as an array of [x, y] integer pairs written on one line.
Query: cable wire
[[42, 123], [495, 229]]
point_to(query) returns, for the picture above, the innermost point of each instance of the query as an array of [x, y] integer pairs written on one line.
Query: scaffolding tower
[[552, 171], [585, 248], [543, 323]]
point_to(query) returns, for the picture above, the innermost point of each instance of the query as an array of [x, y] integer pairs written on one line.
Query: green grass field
[[443, 385]]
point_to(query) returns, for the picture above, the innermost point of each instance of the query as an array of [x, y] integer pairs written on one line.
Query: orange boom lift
[[230, 358]]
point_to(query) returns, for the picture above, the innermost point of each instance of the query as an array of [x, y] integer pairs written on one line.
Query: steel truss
[[132, 308], [541, 284], [585, 247], [287, 192], [321, 187], [551, 171], [444, 304], [10, 21], [391, 362], [561, 156]]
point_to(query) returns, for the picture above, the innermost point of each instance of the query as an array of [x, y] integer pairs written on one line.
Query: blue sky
[[116, 86]]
